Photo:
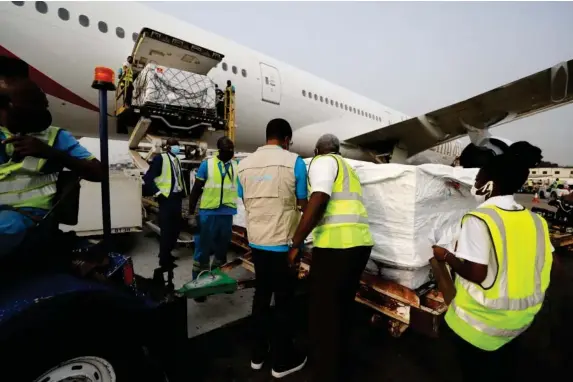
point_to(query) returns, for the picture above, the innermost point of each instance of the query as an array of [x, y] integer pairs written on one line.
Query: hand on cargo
[[440, 253], [294, 257]]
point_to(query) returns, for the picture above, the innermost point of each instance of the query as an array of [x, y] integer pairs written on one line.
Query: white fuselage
[[53, 38]]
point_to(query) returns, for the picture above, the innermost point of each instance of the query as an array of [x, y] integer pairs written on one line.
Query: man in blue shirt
[[27, 138], [273, 186], [216, 185]]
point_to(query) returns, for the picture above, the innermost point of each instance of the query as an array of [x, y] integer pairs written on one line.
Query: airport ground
[[219, 344]]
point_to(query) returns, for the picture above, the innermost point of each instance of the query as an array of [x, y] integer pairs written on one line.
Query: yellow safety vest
[[164, 181], [22, 184], [128, 74], [345, 221], [490, 318], [219, 190]]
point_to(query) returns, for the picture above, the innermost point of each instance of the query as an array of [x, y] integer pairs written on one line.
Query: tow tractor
[[74, 311]]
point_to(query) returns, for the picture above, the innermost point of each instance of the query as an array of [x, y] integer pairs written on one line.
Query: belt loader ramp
[[169, 94]]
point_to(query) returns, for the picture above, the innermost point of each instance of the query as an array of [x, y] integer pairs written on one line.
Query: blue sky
[[413, 57]]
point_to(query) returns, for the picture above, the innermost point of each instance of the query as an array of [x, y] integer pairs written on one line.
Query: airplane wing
[[544, 90]]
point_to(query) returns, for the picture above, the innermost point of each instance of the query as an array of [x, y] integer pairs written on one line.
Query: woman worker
[[502, 266]]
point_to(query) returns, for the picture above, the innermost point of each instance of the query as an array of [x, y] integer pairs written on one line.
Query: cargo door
[[271, 84]]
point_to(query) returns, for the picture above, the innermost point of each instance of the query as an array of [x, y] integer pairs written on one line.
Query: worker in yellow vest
[[502, 265], [126, 79], [216, 185], [32, 153], [164, 180], [341, 248]]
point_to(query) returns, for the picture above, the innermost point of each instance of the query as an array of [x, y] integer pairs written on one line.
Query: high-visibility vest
[[345, 220], [22, 184], [128, 74], [164, 181], [490, 318], [218, 190]]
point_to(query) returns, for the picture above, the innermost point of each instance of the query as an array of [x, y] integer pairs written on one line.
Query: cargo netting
[[160, 85]]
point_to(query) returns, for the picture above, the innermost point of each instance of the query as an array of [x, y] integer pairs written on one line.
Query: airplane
[[62, 42]]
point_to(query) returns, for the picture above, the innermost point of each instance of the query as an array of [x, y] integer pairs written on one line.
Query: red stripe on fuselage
[[51, 87]]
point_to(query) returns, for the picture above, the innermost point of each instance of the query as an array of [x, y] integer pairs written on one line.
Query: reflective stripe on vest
[[128, 77], [219, 190], [489, 318], [164, 181], [345, 220], [21, 183]]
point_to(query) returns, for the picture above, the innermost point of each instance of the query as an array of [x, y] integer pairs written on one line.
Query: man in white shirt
[[341, 247]]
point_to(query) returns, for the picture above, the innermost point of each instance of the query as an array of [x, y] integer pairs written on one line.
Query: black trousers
[[479, 365], [273, 276], [169, 223], [334, 280]]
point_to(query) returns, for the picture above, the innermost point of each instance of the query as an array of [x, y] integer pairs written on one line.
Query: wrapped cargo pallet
[[161, 85], [410, 208]]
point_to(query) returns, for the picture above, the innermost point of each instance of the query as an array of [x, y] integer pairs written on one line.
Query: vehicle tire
[[74, 355], [79, 344]]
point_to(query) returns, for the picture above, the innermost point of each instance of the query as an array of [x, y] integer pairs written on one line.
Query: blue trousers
[[215, 233]]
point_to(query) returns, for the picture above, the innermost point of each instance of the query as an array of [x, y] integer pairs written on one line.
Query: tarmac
[[219, 340]]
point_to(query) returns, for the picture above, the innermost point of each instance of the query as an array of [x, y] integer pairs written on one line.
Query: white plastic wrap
[[410, 208], [167, 86]]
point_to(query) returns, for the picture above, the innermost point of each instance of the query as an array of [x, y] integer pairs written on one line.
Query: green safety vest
[[164, 181], [22, 184], [345, 220], [219, 190], [490, 318]]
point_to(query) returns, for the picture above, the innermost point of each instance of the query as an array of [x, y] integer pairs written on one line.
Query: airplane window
[[244, 72], [18, 3], [315, 97], [304, 93], [225, 66], [119, 32], [309, 95], [362, 113], [354, 110], [326, 100], [267, 80], [84, 21], [102, 26], [331, 102], [42, 7], [345, 107], [321, 99], [64, 14], [336, 103], [234, 69], [134, 36]]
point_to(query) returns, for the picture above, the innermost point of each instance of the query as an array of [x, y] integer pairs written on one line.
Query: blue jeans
[[215, 233], [13, 229]]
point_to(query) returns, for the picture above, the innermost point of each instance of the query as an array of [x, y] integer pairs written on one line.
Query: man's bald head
[[327, 144]]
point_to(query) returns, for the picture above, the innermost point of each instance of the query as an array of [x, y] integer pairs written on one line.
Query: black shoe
[[258, 358], [289, 365]]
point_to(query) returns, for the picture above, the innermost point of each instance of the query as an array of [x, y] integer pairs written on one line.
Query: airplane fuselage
[[64, 41]]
